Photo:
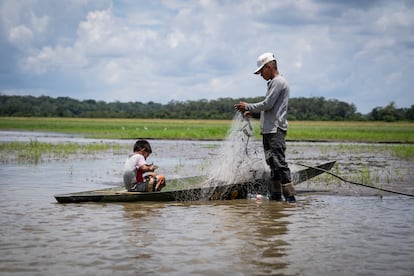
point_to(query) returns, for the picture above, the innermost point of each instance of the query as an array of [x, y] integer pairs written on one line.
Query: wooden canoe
[[188, 189]]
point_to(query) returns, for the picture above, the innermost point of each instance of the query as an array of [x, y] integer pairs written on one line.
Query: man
[[273, 126]]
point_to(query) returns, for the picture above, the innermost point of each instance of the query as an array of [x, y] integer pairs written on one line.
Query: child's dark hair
[[142, 144]]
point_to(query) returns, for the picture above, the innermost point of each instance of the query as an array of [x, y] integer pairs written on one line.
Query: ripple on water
[[325, 235]]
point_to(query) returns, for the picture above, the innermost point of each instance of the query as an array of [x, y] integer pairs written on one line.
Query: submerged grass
[[35, 152], [400, 132], [402, 151]]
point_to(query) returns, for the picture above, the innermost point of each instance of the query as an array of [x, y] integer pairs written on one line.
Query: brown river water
[[345, 230]]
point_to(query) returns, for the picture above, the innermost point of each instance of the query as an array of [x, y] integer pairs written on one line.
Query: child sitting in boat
[[138, 175]]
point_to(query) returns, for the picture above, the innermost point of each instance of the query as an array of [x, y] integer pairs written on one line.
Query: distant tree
[[388, 113], [410, 113], [315, 108]]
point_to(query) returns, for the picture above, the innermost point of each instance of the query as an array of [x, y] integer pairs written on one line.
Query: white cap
[[262, 60]]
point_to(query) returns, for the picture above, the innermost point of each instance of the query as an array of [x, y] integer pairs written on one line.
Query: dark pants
[[148, 185], [274, 147]]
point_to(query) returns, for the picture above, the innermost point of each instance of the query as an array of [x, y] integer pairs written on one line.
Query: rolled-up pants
[[274, 145]]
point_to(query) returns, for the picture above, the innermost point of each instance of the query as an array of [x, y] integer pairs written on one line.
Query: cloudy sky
[[360, 52]]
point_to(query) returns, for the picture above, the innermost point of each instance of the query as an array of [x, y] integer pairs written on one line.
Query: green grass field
[[399, 132], [34, 151]]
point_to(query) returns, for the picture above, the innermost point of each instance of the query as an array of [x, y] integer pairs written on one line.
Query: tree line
[[315, 108]]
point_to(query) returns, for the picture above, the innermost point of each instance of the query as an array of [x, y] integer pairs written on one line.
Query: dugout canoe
[[196, 193]]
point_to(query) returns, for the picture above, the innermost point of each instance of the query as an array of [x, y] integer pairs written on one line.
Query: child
[[135, 167]]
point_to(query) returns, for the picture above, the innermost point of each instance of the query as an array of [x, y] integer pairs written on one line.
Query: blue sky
[[360, 52]]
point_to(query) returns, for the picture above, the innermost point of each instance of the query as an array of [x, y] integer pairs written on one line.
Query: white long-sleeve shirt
[[273, 109]]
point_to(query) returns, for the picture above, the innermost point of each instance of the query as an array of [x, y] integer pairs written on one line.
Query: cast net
[[238, 159], [238, 164]]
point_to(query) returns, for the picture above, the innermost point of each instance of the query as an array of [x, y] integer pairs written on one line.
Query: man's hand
[[241, 106]]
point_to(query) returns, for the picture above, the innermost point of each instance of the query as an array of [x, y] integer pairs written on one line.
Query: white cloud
[[39, 24], [164, 50], [175, 38], [53, 59], [21, 36]]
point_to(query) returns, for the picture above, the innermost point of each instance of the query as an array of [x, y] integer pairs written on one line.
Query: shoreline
[[82, 136]]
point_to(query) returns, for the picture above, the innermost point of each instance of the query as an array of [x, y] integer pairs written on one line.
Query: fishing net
[[238, 161]]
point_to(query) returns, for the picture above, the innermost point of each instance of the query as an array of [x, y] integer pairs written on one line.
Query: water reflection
[[237, 237], [320, 235]]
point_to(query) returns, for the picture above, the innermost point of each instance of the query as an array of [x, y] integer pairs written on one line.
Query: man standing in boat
[[273, 126]]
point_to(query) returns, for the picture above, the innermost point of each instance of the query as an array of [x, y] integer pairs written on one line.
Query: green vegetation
[[123, 128], [403, 151], [34, 151], [305, 109], [398, 132]]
